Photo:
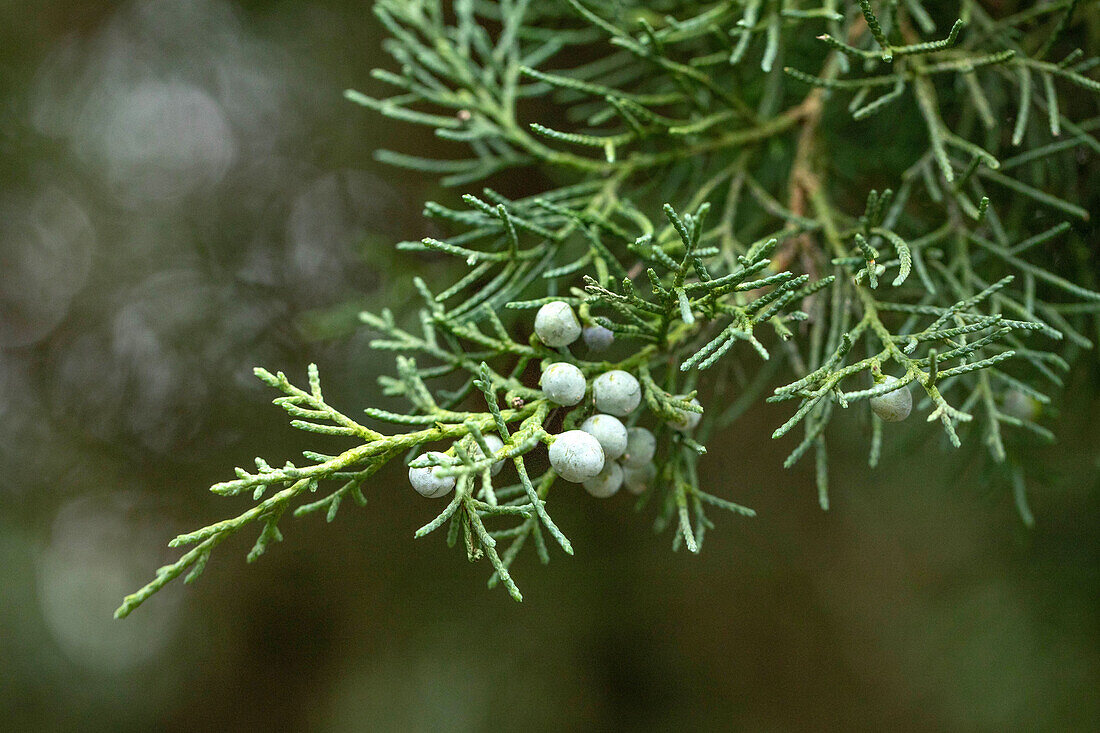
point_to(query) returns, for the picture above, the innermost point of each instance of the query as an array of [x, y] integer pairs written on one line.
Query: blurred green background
[[185, 194]]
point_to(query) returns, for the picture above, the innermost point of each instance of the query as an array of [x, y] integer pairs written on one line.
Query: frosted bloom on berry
[[556, 324], [1021, 405], [616, 392], [563, 384], [598, 338], [640, 447], [639, 478], [609, 431], [495, 443], [427, 482], [893, 406], [576, 456], [606, 482], [686, 420]]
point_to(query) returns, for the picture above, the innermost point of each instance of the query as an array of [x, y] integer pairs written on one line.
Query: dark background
[[185, 194]]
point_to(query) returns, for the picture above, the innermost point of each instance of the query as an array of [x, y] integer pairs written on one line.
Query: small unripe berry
[[576, 456], [639, 478], [640, 447], [563, 384], [427, 483], [606, 482], [495, 443], [686, 420], [609, 431], [598, 338], [616, 392], [1021, 405], [893, 406], [556, 324]]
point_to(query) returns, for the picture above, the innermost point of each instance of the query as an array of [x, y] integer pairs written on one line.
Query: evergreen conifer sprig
[[864, 200]]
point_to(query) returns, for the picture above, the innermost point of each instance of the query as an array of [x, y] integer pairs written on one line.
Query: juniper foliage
[[708, 167]]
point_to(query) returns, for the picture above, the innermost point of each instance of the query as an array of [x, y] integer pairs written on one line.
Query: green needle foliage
[[754, 196]]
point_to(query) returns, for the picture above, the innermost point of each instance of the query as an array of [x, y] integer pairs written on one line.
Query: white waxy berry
[[495, 443], [598, 338], [610, 432], [616, 392], [893, 406], [576, 456], [1021, 405], [426, 480], [639, 478], [563, 384], [640, 447], [686, 420], [556, 324], [606, 482]]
